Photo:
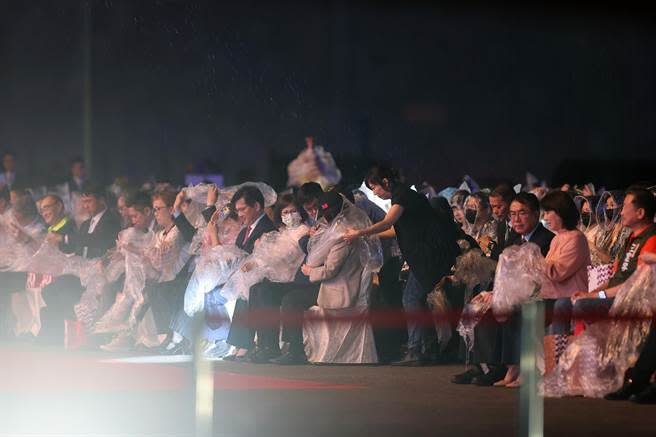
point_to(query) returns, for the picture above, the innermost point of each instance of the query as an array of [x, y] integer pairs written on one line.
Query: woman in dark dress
[[427, 241]]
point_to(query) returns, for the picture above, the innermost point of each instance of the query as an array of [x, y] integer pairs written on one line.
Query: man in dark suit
[[249, 205], [500, 199], [65, 291], [98, 234], [497, 344]]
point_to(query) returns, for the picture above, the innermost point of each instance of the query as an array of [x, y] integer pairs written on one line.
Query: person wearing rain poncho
[[341, 275], [428, 242], [154, 278], [620, 296], [21, 233], [496, 344], [479, 222], [272, 270], [248, 202], [65, 291]]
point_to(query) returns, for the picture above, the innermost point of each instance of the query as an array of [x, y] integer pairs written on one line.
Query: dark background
[[486, 89]]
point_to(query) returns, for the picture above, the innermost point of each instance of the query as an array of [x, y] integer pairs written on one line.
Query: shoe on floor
[[181, 348], [646, 396], [290, 359], [262, 356], [466, 377], [489, 378], [411, 359]]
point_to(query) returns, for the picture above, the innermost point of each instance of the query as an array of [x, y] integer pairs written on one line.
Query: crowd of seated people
[[317, 274]]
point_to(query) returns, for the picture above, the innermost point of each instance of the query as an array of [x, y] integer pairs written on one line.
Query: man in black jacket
[[98, 234], [497, 344]]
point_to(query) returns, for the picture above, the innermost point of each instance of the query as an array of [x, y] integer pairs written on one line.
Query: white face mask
[[291, 220]]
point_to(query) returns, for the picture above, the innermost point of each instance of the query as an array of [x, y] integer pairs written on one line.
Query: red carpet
[[41, 371]]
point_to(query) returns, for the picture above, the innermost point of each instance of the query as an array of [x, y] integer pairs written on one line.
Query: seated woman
[[566, 267], [479, 223], [340, 277]]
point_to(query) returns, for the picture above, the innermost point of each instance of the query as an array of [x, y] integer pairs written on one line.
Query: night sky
[[234, 87]]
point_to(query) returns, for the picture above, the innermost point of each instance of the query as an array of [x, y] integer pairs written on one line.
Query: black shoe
[[411, 359], [232, 357], [624, 393], [290, 359], [466, 377], [264, 356], [182, 348], [489, 378], [646, 396]]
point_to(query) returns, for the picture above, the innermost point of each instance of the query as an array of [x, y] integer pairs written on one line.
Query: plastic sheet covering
[[198, 193], [519, 277], [313, 164], [471, 315], [131, 299], [277, 257], [48, 259], [369, 248], [14, 255], [213, 268], [594, 364], [612, 235], [441, 311], [167, 255], [475, 271]]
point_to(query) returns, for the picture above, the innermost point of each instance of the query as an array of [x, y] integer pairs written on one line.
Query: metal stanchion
[[531, 407], [203, 380]]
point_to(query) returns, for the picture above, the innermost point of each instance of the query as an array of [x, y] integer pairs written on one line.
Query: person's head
[[330, 205], [477, 208], [588, 216], [140, 209], [560, 212], [248, 202], [382, 180], [163, 207], [77, 168], [639, 208], [94, 200], [288, 212], [52, 209], [524, 213], [9, 162], [122, 208], [500, 199], [457, 203], [24, 210], [5, 199], [610, 207], [308, 197]]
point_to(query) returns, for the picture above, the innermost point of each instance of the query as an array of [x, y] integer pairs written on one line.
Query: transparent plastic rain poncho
[[198, 196], [519, 277], [313, 164], [594, 364], [612, 235], [369, 248], [214, 265], [15, 255], [484, 231], [123, 312], [277, 257], [50, 260], [473, 270]]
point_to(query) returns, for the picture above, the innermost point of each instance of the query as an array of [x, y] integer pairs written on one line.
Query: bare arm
[[392, 216]]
